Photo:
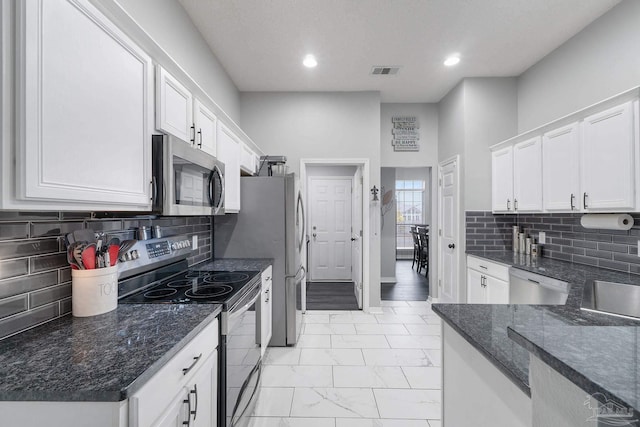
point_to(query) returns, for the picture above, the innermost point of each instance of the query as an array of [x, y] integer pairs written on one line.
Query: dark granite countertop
[[100, 358], [486, 326], [237, 264]]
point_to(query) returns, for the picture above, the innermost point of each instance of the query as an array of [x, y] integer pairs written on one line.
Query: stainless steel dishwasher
[[531, 288]]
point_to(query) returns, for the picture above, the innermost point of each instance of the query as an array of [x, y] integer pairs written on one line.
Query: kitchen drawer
[[499, 271], [157, 393]]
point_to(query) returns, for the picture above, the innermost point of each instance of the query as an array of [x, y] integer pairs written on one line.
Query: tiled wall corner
[[35, 279], [488, 232], [566, 239]]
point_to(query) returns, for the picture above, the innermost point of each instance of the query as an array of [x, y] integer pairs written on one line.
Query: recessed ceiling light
[[452, 60], [309, 61]]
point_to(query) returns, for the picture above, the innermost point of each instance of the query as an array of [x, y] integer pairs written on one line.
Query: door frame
[[366, 228], [441, 165], [310, 211]]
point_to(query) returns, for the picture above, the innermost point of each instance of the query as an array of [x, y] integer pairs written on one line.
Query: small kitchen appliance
[[186, 180], [161, 275]]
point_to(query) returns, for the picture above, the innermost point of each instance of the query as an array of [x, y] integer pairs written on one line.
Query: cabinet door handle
[[195, 360], [195, 409], [515, 204], [188, 402], [200, 133], [508, 204], [584, 200], [572, 201], [193, 134], [482, 266]]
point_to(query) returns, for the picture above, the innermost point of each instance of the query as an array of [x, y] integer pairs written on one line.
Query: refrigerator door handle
[[304, 220]]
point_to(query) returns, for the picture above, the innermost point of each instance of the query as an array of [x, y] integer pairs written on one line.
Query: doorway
[[449, 224], [337, 253], [330, 219], [406, 203]]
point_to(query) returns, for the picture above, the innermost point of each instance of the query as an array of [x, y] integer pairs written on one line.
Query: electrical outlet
[[542, 237], [194, 244]]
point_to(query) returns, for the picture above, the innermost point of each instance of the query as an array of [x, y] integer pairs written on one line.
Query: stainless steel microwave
[[186, 180]]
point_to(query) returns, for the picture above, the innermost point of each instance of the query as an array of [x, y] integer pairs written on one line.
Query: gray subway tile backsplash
[[566, 239], [35, 279]]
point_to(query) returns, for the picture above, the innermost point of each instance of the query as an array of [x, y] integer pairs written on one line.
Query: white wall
[[490, 116], [427, 115], [170, 26], [598, 62], [388, 232], [321, 125]]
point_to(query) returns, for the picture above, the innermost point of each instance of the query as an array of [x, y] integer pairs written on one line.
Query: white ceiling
[[261, 43]]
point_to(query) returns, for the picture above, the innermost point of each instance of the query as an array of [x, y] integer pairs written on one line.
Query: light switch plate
[[542, 237], [194, 244]]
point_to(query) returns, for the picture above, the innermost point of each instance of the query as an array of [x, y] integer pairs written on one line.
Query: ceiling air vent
[[384, 70]]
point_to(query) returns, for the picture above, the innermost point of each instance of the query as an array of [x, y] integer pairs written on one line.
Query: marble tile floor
[[353, 369]]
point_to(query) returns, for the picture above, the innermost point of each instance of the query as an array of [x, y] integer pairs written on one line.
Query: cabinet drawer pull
[[584, 200], [508, 204], [195, 410], [193, 135], [188, 402], [573, 206], [200, 133], [515, 204], [482, 266], [195, 360]]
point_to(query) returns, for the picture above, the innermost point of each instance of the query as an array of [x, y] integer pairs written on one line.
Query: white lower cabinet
[[183, 392], [487, 282], [475, 392], [194, 405], [266, 312]]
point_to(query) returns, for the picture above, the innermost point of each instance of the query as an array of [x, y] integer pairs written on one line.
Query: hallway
[[410, 285]]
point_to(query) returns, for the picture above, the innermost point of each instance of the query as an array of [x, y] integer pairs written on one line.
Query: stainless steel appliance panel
[[269, 226], [186, 180], [243, 358], [530, 288]]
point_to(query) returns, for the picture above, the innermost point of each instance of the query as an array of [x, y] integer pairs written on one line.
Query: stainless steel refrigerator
[[270, 225]]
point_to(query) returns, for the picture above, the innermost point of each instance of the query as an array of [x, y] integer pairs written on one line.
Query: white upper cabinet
[[174, 107], [229, 153], [561, 171], [206, 127], [502, 180], [608, 156], [248, 160], [84, 111], [527, 174]]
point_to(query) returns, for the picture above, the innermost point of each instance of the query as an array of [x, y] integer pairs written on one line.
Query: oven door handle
[[239, 312]]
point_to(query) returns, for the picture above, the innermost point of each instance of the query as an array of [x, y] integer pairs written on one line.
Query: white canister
[[94, 291]]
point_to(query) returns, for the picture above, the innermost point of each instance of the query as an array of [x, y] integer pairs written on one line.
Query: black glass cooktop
[[222, 287]]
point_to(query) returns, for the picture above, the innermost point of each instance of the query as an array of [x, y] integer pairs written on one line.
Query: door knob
[[451, 246]]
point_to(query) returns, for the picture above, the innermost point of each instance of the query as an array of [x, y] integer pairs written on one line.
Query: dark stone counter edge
[[566, 371], [113, 395], [519, 382]]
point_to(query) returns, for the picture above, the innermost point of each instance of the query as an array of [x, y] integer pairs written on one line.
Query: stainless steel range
[[158, 273]]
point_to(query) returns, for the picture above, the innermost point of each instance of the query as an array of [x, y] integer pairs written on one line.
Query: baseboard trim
[[388, 280]]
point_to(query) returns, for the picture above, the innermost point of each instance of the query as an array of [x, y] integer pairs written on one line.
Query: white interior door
[[448, 231], [330, 214], [356, 243]]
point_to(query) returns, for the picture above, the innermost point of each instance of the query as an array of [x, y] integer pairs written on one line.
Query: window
[[410, 203]]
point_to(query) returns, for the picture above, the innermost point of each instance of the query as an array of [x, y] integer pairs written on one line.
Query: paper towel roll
[[607, 221]]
